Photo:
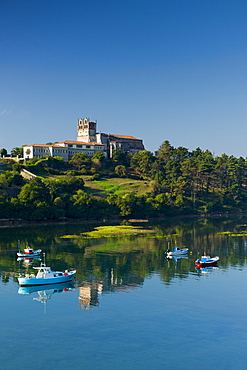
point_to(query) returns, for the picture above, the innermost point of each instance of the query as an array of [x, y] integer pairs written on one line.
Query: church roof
[[79, 142], [122, 136], [44, 145]]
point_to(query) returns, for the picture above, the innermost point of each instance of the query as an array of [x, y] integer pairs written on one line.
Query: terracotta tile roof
[[45, 145], [79, 142], [122, 136], [63, 142]]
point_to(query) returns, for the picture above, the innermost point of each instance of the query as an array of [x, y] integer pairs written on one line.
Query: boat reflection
[[177, 259], [28, 261], [45, 292], [49, 289], [206, 270]]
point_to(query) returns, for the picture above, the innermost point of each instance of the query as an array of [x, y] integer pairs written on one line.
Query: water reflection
[[177, 259], [121, 263], [28, 261], [45, 292], [206, 270], [91, 291]]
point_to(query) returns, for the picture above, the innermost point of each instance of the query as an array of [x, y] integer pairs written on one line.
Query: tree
[[80, 204], [120, 157], [54, 162], [3, 152], [17, 152], [34, 192], [165, 151], [16, 167], [17, 180], [142, 162], [68, 185], [121, 171], [79, 160], [98, 155], [97, 161]]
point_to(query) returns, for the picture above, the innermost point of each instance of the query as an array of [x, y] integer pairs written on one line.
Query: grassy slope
[[108, 186], [118, 186]]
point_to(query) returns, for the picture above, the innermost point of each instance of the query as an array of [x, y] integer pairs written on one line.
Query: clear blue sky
[[155, 69]]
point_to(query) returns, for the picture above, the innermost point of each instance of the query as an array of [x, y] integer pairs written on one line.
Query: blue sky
[[155, 69]]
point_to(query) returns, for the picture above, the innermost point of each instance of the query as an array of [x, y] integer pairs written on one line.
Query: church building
[[86, 132], [88, 141]]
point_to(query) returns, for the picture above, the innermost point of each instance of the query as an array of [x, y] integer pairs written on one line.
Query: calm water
[[129, 307]]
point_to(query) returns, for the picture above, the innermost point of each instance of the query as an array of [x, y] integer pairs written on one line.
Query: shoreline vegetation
[[175, 182], [5, 223]]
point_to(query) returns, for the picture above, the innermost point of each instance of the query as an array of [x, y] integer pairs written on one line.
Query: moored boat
[[29, 252], [207, 261], [177, 252], [46, 276]]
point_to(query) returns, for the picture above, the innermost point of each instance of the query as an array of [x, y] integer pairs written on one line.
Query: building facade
[[64, 149], [87, 132], [88, 142]]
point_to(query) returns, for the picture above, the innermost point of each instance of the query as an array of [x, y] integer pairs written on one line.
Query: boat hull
[[210, 262], [205, 264], [30, 255], [33, 281]]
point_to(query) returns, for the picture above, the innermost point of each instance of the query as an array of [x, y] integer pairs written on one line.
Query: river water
[[129, 307]]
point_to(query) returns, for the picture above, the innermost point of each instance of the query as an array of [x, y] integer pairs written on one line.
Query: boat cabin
[[28, 250], [204, 259], [46, 272]]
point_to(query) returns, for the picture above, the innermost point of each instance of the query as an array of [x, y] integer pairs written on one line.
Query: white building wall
[[66, 151]]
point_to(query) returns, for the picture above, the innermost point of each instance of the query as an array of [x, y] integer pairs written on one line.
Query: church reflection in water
[[90, 292]]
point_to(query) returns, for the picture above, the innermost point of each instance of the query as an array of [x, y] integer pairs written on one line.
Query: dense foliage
[[181, 182]]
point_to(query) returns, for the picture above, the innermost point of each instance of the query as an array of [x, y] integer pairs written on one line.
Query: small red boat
[[28, 252], [207, 261]]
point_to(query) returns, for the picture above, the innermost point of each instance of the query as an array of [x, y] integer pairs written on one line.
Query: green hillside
[[174, 181], [117, 186]]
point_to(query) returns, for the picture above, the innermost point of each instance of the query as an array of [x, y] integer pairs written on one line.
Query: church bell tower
[[86, 130]]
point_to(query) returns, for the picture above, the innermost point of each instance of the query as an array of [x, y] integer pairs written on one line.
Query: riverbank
[[12, 222]]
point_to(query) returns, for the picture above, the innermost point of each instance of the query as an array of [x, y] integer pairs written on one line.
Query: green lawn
[[116, 186]]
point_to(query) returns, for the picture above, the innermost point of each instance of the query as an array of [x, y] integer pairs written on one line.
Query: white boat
[[29, 252], [46, 276], [177, 252]]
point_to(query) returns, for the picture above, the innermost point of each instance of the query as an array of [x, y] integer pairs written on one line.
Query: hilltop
[[142, 185]]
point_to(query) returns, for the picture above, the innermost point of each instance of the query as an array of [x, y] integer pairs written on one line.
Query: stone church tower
[[86, 130]]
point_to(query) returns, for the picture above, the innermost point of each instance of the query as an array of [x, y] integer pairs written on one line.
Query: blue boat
[[207, 261], [177, 252], [46, 276]]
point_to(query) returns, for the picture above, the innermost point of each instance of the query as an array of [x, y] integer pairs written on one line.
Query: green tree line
[[181, 182]]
